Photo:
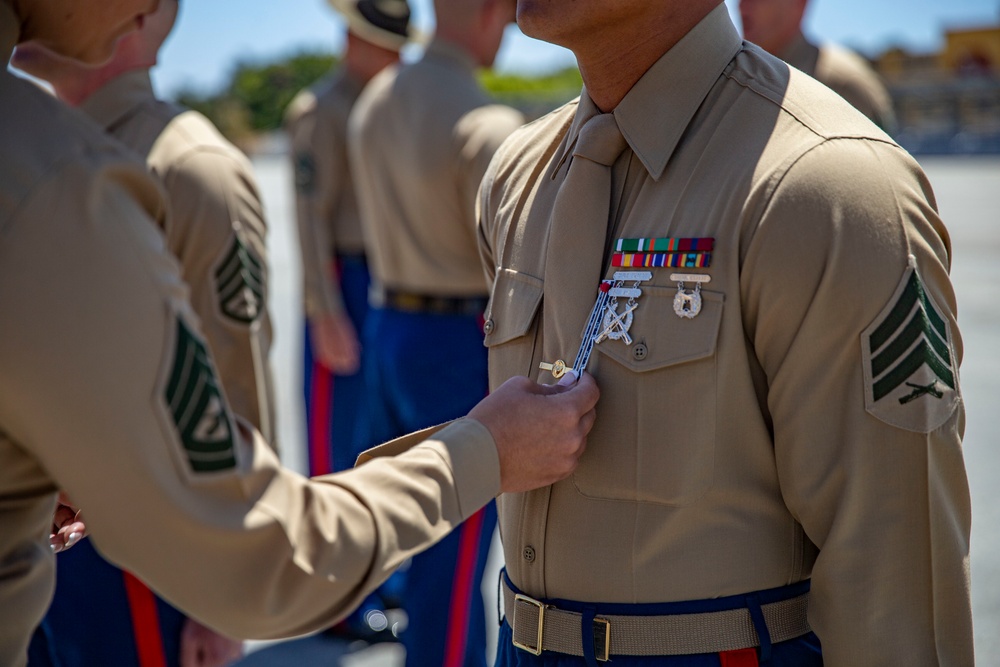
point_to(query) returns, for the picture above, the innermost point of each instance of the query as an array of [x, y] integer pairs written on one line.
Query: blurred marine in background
[[334, 267], [216, 229], [421, 136], [776, 26], [335, 277]]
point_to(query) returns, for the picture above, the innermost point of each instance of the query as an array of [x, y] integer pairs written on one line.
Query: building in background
[[947, 102]]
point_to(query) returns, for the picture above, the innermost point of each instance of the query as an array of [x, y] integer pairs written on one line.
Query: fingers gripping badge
[[911, 375], [197, 407]]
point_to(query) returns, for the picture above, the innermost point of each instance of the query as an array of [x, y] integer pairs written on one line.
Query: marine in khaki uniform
[[216, 229], [421, 137], [335, 276], [109, 393], [776, 462], [776, 26]]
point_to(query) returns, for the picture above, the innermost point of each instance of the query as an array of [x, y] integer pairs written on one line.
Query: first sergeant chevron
[[910, 375], [239, 282], [196, 405]]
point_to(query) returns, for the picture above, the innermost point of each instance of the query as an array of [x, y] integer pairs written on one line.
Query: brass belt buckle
[[602, 639], [537, 648]]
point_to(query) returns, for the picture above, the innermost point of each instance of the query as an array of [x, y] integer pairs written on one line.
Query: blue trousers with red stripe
[[424, 369], [803, 651], [101, 615], [333, 401]]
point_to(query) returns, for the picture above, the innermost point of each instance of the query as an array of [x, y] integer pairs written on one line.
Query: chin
[[542, 19]]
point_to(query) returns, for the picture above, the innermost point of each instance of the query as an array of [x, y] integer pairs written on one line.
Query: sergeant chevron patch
[[197, 406], [911, 379], [239, 282]]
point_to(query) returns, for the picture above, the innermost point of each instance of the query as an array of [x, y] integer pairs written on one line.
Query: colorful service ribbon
[[665, 252]]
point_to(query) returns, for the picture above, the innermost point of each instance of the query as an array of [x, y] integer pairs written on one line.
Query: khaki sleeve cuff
[[470, 451]]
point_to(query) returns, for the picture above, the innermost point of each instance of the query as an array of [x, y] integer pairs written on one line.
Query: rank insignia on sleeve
[[197, 406], [239, 282], [305, 173], [911, 378]]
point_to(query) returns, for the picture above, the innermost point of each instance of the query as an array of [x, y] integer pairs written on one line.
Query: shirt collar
[[439, 49], [657, 110], [119, 97], [10, 31]]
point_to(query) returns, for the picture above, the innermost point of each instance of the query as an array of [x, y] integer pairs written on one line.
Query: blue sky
[[213, 35]]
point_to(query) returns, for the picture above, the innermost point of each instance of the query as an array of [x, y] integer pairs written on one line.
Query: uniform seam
[[748, 84]]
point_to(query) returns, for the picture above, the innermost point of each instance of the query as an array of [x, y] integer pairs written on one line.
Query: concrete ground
[[968, 191]]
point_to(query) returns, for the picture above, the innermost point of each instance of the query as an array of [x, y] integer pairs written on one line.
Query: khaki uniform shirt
[[215, 227], [745, 448], [847, 74], [421, 137], [329, 222], [107, 391]]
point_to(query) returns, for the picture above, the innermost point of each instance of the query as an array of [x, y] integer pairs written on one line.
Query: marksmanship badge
[[911, 378]]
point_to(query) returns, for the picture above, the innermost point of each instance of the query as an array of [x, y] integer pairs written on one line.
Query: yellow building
[[974, 51], [947, 102]]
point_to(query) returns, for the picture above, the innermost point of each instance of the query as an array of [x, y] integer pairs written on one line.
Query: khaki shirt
[[421, 137], [847, 74], [329, 222], [215, 227], [744, 448], [96, 336]]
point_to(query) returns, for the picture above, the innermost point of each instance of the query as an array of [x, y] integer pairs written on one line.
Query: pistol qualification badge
[[687, 304]]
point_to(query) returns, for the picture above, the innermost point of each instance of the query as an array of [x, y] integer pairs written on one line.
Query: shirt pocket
[[511, 325], [654, 440]]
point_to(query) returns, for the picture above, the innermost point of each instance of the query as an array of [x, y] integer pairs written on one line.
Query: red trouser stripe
[[145, 623], [746, 657], [319, 433], [461, 590]]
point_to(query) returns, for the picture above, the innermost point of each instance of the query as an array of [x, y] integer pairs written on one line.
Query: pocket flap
[[665, 338], [512, 306]]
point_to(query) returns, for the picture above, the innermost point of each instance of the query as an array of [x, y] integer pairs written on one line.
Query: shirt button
[[639, 351], [489, 326], [529, 554]]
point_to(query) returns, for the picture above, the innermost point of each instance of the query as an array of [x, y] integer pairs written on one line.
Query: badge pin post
[[687, 304], [557, 368]]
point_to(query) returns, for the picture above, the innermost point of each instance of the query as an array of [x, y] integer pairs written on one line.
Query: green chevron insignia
[[198, 407], [305, 173], [239, 283], [909, 362]]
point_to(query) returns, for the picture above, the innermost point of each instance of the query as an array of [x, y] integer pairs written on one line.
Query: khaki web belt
[[540, 627]]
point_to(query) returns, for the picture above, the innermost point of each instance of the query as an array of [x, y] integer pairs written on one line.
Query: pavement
[[968, 192]]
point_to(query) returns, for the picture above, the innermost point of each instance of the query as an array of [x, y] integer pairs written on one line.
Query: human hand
[[335, 343], [540, 430], [204, 647], [68, 527]]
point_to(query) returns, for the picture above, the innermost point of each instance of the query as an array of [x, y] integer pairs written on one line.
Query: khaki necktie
[[578, 229]]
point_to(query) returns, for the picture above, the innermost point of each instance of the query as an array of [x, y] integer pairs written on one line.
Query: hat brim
[[360, 26]]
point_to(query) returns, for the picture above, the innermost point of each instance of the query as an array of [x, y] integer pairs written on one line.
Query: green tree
[[266, 90]]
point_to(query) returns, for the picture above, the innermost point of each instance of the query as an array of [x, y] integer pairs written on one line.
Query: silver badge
[[615, 325], [687, 304]]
